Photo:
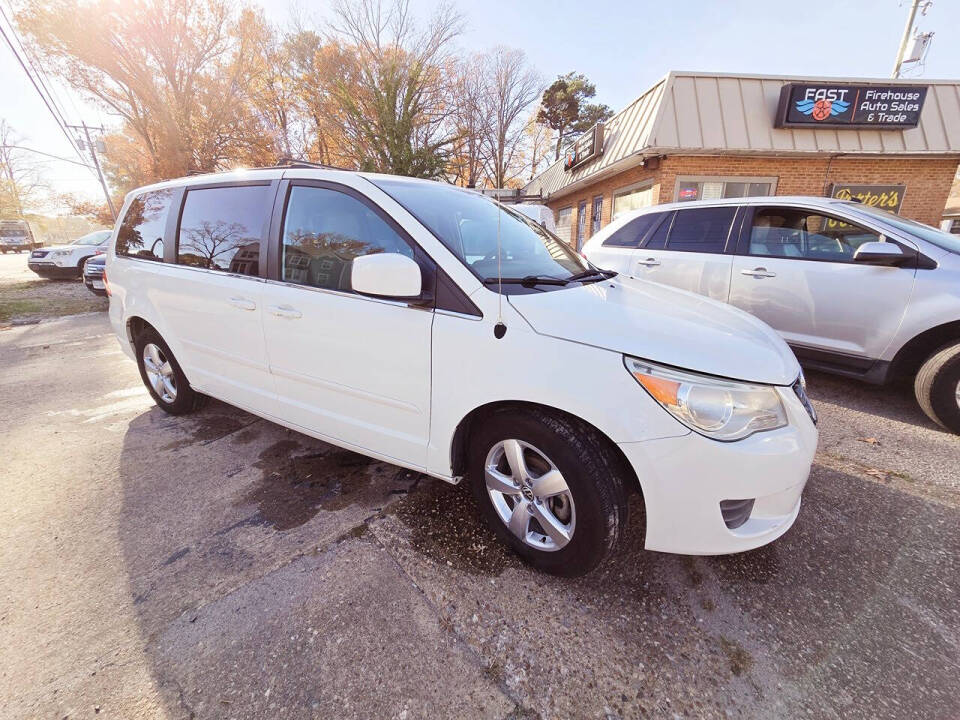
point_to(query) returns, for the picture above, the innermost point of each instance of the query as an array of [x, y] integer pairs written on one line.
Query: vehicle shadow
[[239, 538], [895, 401]]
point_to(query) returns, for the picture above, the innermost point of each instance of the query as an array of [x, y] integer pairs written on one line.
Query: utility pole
[[914, 6], [96, 163]]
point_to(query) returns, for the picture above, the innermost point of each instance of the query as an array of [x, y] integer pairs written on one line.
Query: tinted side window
[[324, 230], [220, 228], [796, 233], [658, 241], [631, 234], [141, 232], [701, 229]]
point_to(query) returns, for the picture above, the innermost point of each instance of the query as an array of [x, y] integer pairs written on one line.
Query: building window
[[563, 224], [631, 199], [596, 214], [581, 222], [715, 188]]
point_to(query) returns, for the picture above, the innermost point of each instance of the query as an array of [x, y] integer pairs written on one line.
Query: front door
[[581, 223], [795, 271], [352, 368]]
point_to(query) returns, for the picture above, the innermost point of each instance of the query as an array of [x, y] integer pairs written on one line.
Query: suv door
[[617, 251], [211, 297], [690, 251], [346, 366], [794, 269]]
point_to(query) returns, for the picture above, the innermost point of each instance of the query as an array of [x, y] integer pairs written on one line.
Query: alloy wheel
[[159, 373], [530, 495]]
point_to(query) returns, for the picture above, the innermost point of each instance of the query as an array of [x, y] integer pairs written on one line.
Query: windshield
[[912, 227], [95, 238], [466, 222], [13, 230]]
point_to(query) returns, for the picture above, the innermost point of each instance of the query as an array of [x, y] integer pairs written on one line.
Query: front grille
[[802, 394], [39, 253], [736, 512]]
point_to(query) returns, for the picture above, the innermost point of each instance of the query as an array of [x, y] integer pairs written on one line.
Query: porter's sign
[[886, 197], [850, 106]]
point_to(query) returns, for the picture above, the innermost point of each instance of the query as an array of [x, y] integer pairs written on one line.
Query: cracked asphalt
[[219, 566]]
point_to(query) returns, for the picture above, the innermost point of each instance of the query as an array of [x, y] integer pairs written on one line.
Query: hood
[[664, 325]]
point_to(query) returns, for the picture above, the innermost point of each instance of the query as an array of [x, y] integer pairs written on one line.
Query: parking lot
[[218, 565]]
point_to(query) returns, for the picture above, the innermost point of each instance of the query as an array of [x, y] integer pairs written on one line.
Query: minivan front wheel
[[937, 387], [163, 377], [549, 488]]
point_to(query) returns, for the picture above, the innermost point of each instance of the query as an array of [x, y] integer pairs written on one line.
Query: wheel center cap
[[527, 492]]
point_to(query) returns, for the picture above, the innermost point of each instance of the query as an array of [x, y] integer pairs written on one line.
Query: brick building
[[701, 135]]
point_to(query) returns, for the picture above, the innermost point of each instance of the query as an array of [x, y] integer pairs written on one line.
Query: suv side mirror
[[879, 253], [386, 275]]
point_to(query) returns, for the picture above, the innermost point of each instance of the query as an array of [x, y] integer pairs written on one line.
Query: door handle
[[759, 272], [285, 311], [243, 303], [649, 262]]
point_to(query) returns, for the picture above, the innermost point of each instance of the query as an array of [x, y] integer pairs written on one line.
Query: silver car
[[854, 290]]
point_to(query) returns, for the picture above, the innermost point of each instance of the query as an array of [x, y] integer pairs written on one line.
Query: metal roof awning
[[712, 114]]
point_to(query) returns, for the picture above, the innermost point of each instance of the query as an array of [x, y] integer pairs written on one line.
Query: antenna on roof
[[499, 330]]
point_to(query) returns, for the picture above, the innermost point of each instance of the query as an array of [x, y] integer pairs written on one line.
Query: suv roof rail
[[286, 162]]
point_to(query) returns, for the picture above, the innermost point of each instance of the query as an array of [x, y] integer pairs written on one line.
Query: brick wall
[[928, 180]]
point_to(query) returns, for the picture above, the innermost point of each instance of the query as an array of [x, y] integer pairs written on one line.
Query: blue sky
[[623, 47]]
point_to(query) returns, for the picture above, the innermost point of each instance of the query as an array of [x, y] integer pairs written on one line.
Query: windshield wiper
[[527, 281], [592, 274]]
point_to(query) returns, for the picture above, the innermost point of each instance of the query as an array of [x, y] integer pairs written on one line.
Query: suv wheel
[[162, 375], [550, 488], [937, 387]]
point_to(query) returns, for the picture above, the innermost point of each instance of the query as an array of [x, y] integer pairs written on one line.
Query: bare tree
[[470, 120], [539, 142], [511, 87], [20, 181], [392, 96]]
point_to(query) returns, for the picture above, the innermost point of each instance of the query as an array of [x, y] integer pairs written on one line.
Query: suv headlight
[[716, 408], [60, 253]]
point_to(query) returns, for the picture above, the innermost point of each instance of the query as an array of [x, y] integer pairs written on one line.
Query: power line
[[41, 152], [43, 97], [38, 70]]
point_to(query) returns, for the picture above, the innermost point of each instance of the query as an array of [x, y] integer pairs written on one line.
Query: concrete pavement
[[220, 566]]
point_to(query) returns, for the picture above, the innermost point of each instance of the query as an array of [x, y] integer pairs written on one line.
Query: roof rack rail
[[287, 162]]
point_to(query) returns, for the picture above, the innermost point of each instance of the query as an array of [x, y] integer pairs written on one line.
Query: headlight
[[716, 408], [60, 253]]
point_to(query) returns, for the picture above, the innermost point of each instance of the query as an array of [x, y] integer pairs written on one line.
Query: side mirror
[[386, 275], [879, 253]]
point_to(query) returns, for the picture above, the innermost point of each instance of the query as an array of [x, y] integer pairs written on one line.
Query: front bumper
[[684, 479], [51, 270]]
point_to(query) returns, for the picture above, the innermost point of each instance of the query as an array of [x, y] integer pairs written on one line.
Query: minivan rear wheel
[[163, 377], [937, 387], [550, 488]]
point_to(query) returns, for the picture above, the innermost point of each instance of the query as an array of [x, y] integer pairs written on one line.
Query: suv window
[[632, 234], [796, 233], [324, 230], [141, 232], [701, 230], [220, 228]]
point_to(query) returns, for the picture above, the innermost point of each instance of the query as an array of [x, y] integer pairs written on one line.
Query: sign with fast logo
[[885, 197], [879, 107], [588, 147]]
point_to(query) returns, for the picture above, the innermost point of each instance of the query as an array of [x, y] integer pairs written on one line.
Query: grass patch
[[40, 299]]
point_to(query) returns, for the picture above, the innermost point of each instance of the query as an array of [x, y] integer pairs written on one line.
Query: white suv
[[429, 327], [67, 261], [855, 290]]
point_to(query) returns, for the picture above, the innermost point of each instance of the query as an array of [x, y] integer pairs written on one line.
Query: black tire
[[592, 472], [83, 261], [936, 387], [187, 400]]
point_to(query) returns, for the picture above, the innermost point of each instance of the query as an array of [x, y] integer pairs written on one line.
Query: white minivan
[[430, 327]]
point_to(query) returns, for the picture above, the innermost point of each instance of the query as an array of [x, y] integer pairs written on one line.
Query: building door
[[581, 223], [596, 215]]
